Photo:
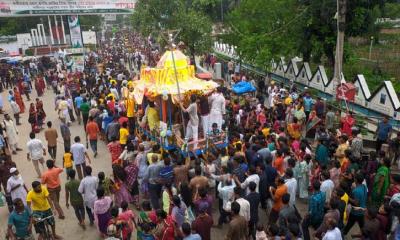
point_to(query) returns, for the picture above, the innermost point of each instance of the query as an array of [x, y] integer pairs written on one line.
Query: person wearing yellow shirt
[[67, 160], [266, 130], [38, 200], [123, 135], [152, 117], [130, 109]]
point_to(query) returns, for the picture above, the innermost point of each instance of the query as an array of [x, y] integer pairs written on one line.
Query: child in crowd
[[67, 161]]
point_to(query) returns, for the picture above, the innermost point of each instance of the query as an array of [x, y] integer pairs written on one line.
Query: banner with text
[[17, 8], [75, 31]]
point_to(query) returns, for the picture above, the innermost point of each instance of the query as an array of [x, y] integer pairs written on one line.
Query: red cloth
[[115, 150], [347, 123]]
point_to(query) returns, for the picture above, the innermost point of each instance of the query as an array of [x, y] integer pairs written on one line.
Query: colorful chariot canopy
[[161, 80]]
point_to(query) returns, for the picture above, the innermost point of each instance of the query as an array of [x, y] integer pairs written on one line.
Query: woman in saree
[[41, 115], [19, 100], [121, 192], [32, 119], [102, 213], [38, 88], [381, 182]]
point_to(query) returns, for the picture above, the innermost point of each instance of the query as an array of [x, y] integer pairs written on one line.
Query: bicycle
[[47, 234]]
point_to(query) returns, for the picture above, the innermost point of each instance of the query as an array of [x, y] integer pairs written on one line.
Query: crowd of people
[[285, 149]]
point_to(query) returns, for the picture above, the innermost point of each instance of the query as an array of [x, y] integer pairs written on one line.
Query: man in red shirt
[[52, 179], [92, 131]]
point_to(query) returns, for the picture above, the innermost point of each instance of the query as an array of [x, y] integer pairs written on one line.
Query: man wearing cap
[[12, 133], [203, 222], [16, 186]]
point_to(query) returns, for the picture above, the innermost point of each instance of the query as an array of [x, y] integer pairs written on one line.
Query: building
[[384, 100]]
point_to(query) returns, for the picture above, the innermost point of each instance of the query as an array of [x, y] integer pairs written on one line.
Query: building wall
[[381, 103], [302, 78], [317, 82], [360, 99], [290, 74]]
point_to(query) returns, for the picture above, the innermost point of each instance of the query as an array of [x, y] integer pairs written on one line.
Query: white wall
[[385, 108], [360, 98], [303, 78], [317, 82]]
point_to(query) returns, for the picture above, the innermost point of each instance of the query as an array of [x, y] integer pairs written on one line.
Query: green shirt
[[84, 108], [74, 196]]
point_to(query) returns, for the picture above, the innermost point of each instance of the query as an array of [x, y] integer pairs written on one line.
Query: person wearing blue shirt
[[360, 195], [308, 104], [383, 133], [187, 233], [322, 154], [78, 101], [315, 214], [21, 219]]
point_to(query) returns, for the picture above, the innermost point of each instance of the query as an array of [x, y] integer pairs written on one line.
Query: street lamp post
[[370, 47]]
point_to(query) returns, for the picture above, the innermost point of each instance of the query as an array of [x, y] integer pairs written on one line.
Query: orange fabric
[[51, 177], [278, 165], [92, 130], [280, 191]]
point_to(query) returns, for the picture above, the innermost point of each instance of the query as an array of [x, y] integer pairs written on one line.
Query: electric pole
[[341, 25]]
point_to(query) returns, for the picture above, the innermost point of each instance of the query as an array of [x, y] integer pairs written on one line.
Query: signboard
[[110, 17], [77, 62], [19, 8], [89, 37], [24, 40], [75, 31], [76, 50]]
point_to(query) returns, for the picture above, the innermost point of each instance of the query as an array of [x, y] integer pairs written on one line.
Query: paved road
[[69, 228]]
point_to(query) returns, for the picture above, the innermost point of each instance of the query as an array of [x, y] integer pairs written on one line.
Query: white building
[[304, 75], [363, 93], [384, 100], [319, 79], [281, 68], [292, 70]]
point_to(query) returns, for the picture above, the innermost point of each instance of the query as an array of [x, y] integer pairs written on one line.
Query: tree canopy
[[263, 30], [152, 17]]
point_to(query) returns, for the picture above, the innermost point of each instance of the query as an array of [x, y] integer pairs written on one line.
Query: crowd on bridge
[[285, 149]]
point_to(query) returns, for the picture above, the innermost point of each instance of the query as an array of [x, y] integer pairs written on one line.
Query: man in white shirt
[[79, 154], [192, 128], [327, 185], [244, 204], [88, 189], [36, 151], [333, 232], [226, 193], [217, 102], [252, 177], [291, 184], [16, 186]]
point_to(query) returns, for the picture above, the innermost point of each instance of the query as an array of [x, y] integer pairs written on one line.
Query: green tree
[[264, 30], [12, 26], [90, 21], [153, 17]]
